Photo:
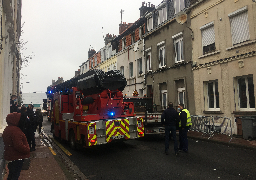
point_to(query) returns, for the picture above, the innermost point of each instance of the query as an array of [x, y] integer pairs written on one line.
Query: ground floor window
[[164, 99], [212, 95], [245, 92], [181, 95]]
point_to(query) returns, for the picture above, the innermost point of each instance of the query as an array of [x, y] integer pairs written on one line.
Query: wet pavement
[[210, 157]]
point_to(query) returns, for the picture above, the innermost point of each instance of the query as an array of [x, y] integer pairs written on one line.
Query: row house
[[130, 60], [168, 55], [108, 58], [224, 53], [10, 59], [124, 53]]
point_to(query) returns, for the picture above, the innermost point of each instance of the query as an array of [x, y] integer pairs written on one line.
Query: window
[[149, 61], [161, 56], [141, 92], [124, 43], [104, 54], [91, 63], [181, 95], [140, 33], [139, 61], [162, 15], [212, 95], [245, 93], [208, 38], [179, 5], [133, 38], [178, 47], [131, 69], [95, 60], [164, 99], [122, 70], [150, 23], [239, 26]]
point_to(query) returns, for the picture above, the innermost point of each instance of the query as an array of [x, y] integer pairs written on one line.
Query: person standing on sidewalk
[[24, 121], [16, 147], [39, 117], [184, 125], [171, 116], [31, 128]]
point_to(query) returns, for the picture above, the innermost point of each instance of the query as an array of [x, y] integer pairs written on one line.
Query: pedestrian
[[24, 121], [39, 117], [13, 104], [184, 125], [31, 128], [16, 147], [171, 116]]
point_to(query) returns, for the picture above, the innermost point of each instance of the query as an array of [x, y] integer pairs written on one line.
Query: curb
[[223, 143]]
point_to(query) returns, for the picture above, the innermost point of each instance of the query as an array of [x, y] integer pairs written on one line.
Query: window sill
[[162, 67], [241, 44], [213, 112], [176, 63], [209, 54], [244, 112]]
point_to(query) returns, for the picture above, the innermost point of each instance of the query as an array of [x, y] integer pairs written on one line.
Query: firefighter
[[184, 125]]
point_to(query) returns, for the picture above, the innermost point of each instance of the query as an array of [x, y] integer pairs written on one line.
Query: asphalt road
[[145, 159]]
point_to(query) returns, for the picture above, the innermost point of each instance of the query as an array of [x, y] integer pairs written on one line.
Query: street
[[145, 159]]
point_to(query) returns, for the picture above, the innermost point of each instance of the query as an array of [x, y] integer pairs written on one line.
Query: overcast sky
[[59, 34]]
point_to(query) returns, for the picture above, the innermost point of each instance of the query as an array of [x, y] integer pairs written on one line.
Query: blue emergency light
[[111, 113]]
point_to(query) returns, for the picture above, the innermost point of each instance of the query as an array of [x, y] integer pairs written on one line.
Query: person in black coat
[[24, 121], [31, 128], [39, 117], [13, 104], [171, 117]]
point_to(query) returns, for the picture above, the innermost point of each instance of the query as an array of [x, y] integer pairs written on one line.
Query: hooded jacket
[[15, 142]]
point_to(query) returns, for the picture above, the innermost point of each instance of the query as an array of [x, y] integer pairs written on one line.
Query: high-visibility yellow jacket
[[189, 123]]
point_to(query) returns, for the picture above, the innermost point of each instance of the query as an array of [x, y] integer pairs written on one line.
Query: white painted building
[[36, 99]]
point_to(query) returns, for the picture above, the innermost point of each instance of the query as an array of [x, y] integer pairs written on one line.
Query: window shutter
[[239, 28], [208, 36]]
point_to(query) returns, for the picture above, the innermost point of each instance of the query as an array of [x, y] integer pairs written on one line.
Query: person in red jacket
[[16, 147]]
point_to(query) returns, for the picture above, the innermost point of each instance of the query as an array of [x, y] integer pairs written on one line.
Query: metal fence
[[212, 124]]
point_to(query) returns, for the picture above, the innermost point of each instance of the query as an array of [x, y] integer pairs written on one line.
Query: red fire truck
[[89, 110]]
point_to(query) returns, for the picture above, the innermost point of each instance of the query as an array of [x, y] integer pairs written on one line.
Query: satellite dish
[[181, 17]]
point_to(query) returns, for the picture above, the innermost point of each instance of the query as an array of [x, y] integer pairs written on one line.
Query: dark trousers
[[167, 134], [14, 169], [183, 138], [40, 124], [31, 139]]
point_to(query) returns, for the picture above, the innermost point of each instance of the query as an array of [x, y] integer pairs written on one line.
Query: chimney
[[91, 52], [144, 9]]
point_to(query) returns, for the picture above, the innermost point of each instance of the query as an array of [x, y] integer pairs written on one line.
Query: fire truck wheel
[[72, 142]]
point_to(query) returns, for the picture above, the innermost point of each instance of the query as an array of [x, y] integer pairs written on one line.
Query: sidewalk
[[43, 164], [223, 139]]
